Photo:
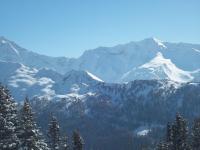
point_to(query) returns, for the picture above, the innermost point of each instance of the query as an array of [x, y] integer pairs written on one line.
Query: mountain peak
[[3, 40], [81, 76], [157, 61], [158, 68], [7, 47], [154, 41], [76, 81]]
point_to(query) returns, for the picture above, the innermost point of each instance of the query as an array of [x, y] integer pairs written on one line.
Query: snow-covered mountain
[[110, 63], [158, 68], [11, 52], [26, 81], [44, 83], [78, 82]]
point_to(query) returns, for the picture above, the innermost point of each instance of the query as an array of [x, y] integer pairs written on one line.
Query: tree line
[[19, 131], [179, 137]]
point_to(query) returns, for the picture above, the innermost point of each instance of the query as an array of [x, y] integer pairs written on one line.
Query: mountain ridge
[[108, 63]]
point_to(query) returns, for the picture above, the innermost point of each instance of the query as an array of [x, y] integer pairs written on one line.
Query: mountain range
[[122, 63], [111, 94], [54, 77]]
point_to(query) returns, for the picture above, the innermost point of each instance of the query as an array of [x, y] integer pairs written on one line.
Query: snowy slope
[[111, 63], [11, 52], [23, 80], [76, 82], [108, 63], [45, 83], [158, 68], [196, 75]]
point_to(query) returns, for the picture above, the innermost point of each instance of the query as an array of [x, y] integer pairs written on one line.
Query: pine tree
[[77, 141], [29, 135], [65, 143], [169, 135], [196, 135], [8, 121], [54, 134], [179, 134]]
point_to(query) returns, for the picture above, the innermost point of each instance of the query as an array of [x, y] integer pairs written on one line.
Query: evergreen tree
[[8, 121], [179, 134], [65, 143], [54, 134], [196, 135], [29, 135], [169, 133], [169, 136], [77, 141]]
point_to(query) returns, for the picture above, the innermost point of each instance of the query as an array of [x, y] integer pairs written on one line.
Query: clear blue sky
[[68, 27]]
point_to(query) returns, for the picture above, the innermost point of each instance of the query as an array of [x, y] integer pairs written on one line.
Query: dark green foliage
[[169, 134], [18, 131], [8, 121], [29, 135], [77, 141], [54, 134], [196, 135], [179, 134]]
